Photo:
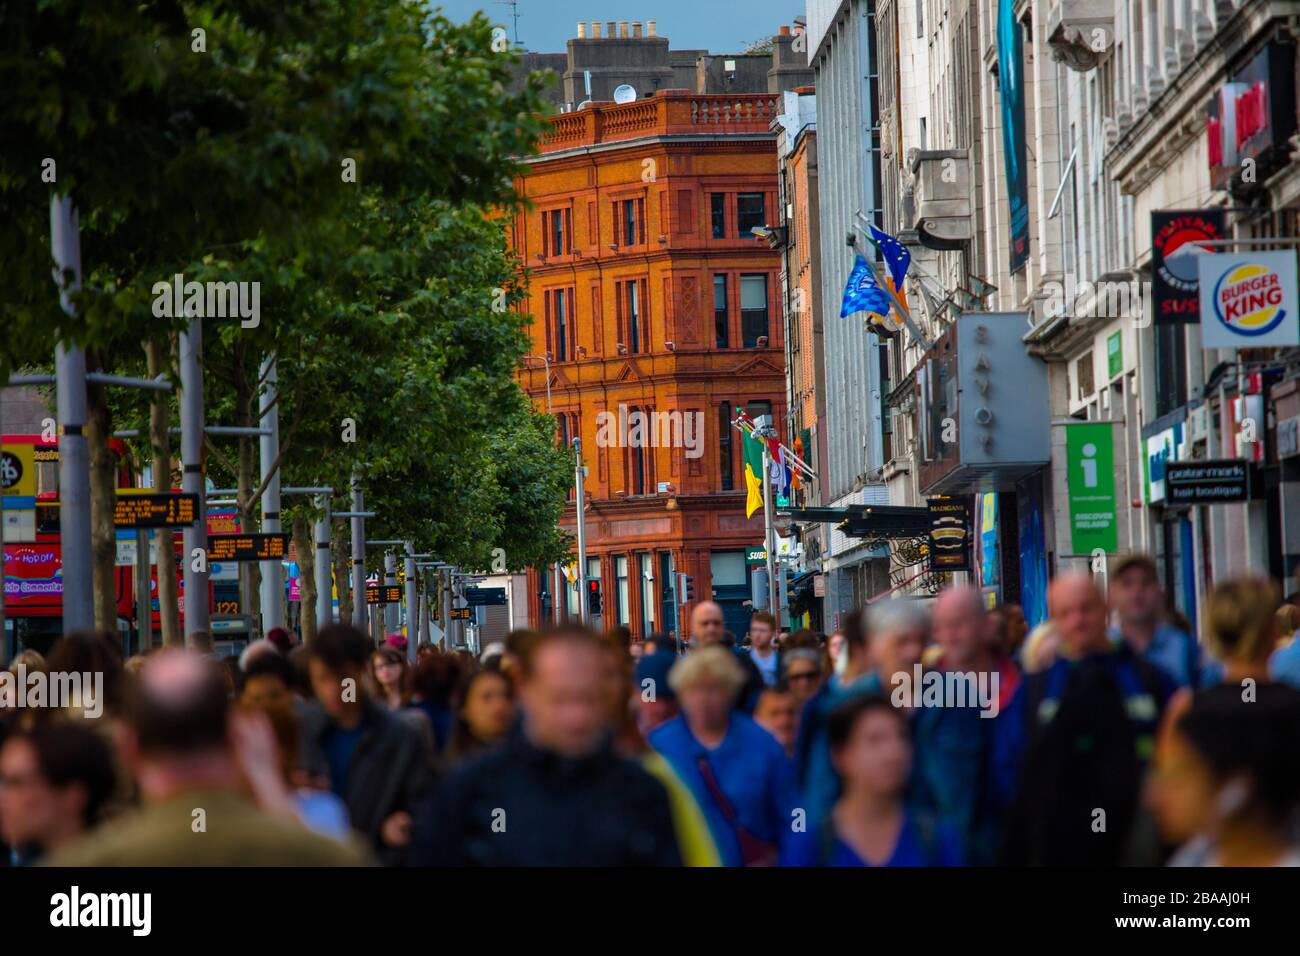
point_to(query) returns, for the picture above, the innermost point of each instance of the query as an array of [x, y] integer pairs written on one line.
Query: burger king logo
[[1248, 299]]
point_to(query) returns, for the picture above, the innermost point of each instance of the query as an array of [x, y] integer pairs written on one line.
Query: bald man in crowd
[[1073, 746]]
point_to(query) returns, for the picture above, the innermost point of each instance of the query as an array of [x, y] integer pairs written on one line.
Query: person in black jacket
[[375, 761], [556, 793]]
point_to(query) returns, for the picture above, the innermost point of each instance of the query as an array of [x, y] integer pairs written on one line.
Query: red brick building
[[648, 293]]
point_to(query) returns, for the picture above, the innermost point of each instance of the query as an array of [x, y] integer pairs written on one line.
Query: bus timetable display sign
[[385, 594], [248, 547], [155, 511]]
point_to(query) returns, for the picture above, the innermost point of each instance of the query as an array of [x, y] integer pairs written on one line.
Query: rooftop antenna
[[514, 15]]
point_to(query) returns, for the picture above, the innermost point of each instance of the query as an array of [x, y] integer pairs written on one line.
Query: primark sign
[[1207, 481]]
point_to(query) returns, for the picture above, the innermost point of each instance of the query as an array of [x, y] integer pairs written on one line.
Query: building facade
[[656, 316]]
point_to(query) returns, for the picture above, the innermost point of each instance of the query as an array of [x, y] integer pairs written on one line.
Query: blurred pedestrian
[[1231, 784], [485, 713], [433, 687], [803, 673], [739, 774], [762, 650], [953, 743], [778, 713], [882, 639], [1076, 740], [374, 760], [654, 698], [194, 762], [1039, 651], [1141, 621], [388, 669], [56, 782], [556, 793], [281, 639], [871, 822]]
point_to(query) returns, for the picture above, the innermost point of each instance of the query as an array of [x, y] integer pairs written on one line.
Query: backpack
[[1092, 729]]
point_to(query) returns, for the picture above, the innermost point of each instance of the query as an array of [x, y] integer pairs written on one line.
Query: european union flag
[[863, 293], [896, 255]]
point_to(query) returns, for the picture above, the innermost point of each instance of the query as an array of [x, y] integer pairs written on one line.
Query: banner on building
[[950, 534], [1248, 300], [1011, 88], [1174, 258], [1090, 482]]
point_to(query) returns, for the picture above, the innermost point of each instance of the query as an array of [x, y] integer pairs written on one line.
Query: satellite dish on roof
[[625, 94]]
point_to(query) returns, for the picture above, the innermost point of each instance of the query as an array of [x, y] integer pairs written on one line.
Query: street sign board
[[155, 510], [1207, 481], [1090, 481], [383, 594], [481, 597], [950, 534], [248, 547]]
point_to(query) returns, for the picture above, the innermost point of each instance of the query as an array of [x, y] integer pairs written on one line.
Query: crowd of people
[[1110, 735]]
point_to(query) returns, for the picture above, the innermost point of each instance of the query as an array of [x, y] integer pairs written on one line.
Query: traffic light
[[593, 596], [685, 588]]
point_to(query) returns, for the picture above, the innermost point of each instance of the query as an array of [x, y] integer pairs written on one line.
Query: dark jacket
[[391, 771], [519, 805]]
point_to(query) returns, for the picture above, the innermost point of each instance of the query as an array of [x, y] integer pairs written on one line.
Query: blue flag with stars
[[863, 293], [896, 255]]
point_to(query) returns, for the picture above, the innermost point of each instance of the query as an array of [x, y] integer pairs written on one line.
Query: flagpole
[[917, 337], [769, 537]]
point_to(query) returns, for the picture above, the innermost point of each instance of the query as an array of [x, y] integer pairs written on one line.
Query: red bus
[[33, 570]]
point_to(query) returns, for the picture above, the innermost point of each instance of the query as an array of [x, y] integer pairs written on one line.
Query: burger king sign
[[1248, 300]]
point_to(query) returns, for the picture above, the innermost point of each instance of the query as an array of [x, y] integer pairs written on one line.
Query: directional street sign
[[248, 547], [478, 597], [155, 511]]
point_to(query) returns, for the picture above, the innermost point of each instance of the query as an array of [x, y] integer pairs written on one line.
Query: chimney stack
[[595, 29], [785, 31], [622, 29], [582, 29], [611, 28], [651, 28], [636, 29]]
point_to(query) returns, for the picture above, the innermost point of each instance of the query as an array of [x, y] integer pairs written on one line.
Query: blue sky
[[721, 26]]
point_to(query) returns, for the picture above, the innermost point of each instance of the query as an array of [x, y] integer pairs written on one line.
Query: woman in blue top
[[737, 772], [870, 824]]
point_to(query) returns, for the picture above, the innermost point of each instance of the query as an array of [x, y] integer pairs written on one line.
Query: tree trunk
[[341, 554], [160, 439], [305, 544], [103, 497]]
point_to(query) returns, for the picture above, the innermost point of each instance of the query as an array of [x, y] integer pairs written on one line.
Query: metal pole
[[197, 609], [444, 581], [578, 472], [769, 539], [561, 593], [412, 604], [324, 569], [390, 579], [143, 604], [74, 462], [358, 554], [268, 452], [423, 633]]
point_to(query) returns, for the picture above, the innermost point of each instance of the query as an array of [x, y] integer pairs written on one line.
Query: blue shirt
[[340, 746], [1285, 664], [753, 773], [816, 848], [1176, 653]]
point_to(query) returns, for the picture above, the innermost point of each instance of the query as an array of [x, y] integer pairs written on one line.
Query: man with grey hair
[[954, 741]]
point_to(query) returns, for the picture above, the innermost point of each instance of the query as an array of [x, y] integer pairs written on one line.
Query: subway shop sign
[[1248, 300]]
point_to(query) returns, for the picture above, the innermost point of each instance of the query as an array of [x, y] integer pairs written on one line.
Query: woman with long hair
[[485, 713]]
